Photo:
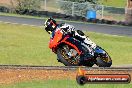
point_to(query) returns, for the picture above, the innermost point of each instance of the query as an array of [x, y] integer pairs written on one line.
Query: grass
[[114, 9], [118, 47], [61, 84], [114, 3], [114, 16], [26, 45]]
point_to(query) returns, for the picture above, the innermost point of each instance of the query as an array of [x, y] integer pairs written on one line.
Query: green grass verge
[[118, 47], [26, 45], [114, 3], [62, 84]]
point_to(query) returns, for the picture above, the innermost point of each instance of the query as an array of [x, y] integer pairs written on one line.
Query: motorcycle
[[70, 51]]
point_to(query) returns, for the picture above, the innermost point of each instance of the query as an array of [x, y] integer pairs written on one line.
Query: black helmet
[[50, 25]]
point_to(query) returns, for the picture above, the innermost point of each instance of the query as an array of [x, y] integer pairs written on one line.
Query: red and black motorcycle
[[70, 51]]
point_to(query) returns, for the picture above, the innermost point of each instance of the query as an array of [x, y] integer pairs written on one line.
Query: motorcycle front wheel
[[65, 58]]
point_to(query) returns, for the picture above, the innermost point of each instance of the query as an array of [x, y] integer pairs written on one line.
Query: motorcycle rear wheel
[[104, 61]]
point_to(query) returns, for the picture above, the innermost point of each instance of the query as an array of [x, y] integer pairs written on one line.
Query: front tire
[[63, 58]]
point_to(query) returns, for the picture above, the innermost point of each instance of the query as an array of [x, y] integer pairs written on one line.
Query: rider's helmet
[[50, 25]]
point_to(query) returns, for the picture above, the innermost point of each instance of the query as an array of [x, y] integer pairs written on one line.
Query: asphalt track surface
[[106, 29]]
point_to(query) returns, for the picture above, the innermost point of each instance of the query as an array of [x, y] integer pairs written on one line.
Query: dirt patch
[[12, 76], [8, 76]]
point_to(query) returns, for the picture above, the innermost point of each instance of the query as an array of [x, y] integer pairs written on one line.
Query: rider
[[51, 26]]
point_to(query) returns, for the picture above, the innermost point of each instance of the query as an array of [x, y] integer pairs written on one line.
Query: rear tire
[[101, 63]]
